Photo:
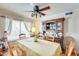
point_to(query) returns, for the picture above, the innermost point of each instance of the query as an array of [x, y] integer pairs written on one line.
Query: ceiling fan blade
[[46, 8], [41, 13]]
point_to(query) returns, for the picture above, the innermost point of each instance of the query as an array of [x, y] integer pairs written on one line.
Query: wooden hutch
[[56, 28]]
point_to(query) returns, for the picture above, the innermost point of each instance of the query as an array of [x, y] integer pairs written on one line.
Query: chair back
[[13, 50], [69, 45]]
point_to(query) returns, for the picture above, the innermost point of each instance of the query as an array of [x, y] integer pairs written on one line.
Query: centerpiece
[[35, 34], [36, 37]]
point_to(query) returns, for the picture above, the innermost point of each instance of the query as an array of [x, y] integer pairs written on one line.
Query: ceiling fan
[[37, 10]]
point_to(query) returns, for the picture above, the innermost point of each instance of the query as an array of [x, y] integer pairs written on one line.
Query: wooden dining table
[[40, 48]]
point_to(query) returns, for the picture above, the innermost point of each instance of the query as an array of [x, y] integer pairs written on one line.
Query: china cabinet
[[56, 28]]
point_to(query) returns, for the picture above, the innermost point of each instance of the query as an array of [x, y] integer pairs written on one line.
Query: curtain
[[16, 30], [15, 27], [28, 26], [8, 25]]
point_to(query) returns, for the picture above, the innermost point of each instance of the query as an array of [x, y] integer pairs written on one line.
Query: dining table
[[40, 48]]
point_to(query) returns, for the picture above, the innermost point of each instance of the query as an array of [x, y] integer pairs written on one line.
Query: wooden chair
[[69, 46], [50, 38], [23, 49], [11, 51], [14, 50]]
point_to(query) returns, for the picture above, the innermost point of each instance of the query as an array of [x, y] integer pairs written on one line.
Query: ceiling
[[56, 8]]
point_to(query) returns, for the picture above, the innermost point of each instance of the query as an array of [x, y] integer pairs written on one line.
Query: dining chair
[[9, 51], [69, 46], [13, 50], [50, 38], [22, 49]]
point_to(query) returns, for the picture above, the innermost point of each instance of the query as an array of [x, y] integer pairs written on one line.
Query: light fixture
[[36, 15]]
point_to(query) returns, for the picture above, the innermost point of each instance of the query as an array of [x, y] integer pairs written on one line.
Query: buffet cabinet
[[56, 28]]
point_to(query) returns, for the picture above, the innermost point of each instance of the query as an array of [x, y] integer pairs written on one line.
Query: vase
[[35, 39]]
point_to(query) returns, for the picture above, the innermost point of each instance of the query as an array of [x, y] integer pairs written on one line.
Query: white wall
[[2, 26]]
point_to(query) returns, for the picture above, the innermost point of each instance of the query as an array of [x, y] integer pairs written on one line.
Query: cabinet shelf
[[55, 26]]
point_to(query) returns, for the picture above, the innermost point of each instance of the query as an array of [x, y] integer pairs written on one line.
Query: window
[[15, 28]]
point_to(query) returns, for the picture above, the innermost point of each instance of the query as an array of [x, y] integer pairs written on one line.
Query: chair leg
[[75, 52]]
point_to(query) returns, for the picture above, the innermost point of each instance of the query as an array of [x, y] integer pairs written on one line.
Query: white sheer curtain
[[28, 26], [8, 25], [25, 28], [14, 28]]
